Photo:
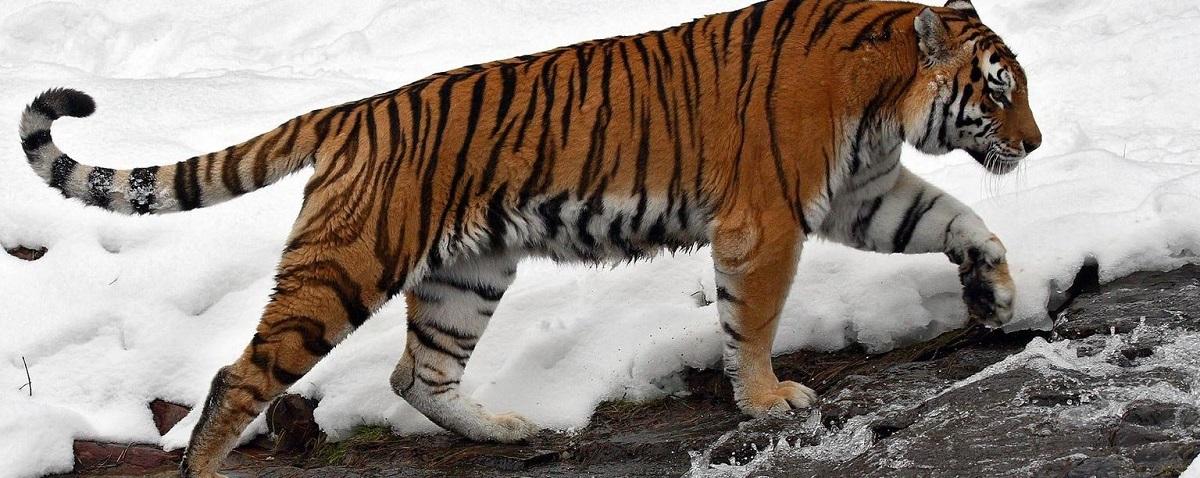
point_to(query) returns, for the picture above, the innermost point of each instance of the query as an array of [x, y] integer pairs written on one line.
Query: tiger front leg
[[755, 260], [915, 217]]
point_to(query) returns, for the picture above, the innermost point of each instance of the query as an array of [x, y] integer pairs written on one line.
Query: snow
[[123, 310]]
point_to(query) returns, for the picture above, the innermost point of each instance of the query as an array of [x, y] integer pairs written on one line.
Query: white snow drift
[[124, 310]]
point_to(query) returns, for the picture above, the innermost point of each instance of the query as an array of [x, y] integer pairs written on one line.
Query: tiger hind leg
[[447, 314], [318, 300]]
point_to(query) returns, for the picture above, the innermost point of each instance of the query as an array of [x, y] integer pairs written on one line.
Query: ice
[[123, 310]]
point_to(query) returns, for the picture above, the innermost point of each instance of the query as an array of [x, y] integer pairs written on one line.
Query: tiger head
[[970, 93]]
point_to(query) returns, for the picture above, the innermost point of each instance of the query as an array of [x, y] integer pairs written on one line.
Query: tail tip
[[57, 102]]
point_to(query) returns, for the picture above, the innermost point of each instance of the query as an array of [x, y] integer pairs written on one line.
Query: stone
[[1155, 414], [290, 420], [126, 459], [518, 460], [166, 414], [27, 254]]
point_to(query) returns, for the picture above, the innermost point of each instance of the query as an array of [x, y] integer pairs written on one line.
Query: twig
[[123, 452], [28, 381]]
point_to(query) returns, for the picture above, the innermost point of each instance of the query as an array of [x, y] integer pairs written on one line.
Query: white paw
[[782, 398], [510, 428]]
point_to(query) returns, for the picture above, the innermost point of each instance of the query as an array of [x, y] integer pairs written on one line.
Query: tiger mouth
[[998, 163]]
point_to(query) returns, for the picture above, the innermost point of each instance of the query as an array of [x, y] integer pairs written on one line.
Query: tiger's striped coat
[[751, 131]]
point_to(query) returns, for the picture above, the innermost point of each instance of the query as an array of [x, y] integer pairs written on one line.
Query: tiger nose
[[1031, 144]]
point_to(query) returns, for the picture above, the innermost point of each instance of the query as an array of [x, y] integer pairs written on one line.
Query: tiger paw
[[507, 428], [778, 399], [988, 289]]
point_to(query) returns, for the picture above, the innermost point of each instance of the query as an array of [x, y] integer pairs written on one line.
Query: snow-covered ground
[[125, 310]]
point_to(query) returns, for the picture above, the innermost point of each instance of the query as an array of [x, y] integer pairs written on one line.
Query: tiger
[[748, 132]]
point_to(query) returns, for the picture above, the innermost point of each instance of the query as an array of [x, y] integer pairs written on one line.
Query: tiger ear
[[964, 5], [932, 36]]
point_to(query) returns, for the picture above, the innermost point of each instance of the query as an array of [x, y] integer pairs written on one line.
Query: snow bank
[[124, 310]]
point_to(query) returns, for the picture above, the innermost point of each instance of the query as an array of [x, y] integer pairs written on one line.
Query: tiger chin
[[750, 131]]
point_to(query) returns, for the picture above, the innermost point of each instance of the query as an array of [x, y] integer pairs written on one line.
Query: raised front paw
[[777, 399], [987, 286]]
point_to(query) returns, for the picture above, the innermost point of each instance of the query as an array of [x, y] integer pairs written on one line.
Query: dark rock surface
[[1088, 402], [93, 458], [27, 254], [1106, 393], [166, 414]]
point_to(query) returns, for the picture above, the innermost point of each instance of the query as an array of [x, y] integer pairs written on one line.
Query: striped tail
[[193, 183]]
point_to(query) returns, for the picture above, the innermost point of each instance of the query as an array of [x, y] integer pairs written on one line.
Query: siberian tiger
[[751, 131]]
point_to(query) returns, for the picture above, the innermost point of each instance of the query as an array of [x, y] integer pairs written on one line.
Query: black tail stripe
[[60, 171], [100, 183], [35, 141], [142, 189], [39, 105]]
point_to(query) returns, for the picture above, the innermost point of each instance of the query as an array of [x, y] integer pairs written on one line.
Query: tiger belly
[[596, 230]]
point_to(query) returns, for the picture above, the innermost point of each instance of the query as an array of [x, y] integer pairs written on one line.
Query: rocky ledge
[[1110, 391]]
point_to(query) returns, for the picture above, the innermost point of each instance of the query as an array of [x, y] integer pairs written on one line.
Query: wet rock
[[166, 414], [910, 412], [122, 459], [1103, 467], [27, 254], [1085, 281], [290, 420], [519, 460], [1164, 458], [755, 436], [1157, 414], [1029, 420], [1128, 434], [1170, 299]]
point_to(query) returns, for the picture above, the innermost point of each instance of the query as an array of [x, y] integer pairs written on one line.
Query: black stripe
[[879, 30], [41, 107], [60, 172], [508, 81], [142, 194], [592, 208], [497, 217], [430, 343], [859, 232], [750, 33], [229, 172], [100, 183], [187, 184], [310, 330], [484, 291], [912, 217], [285, 377], [437, 384], [449, 332], [551, 213], [35, 140], [822, 27], [723, 294], [733, 334]]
